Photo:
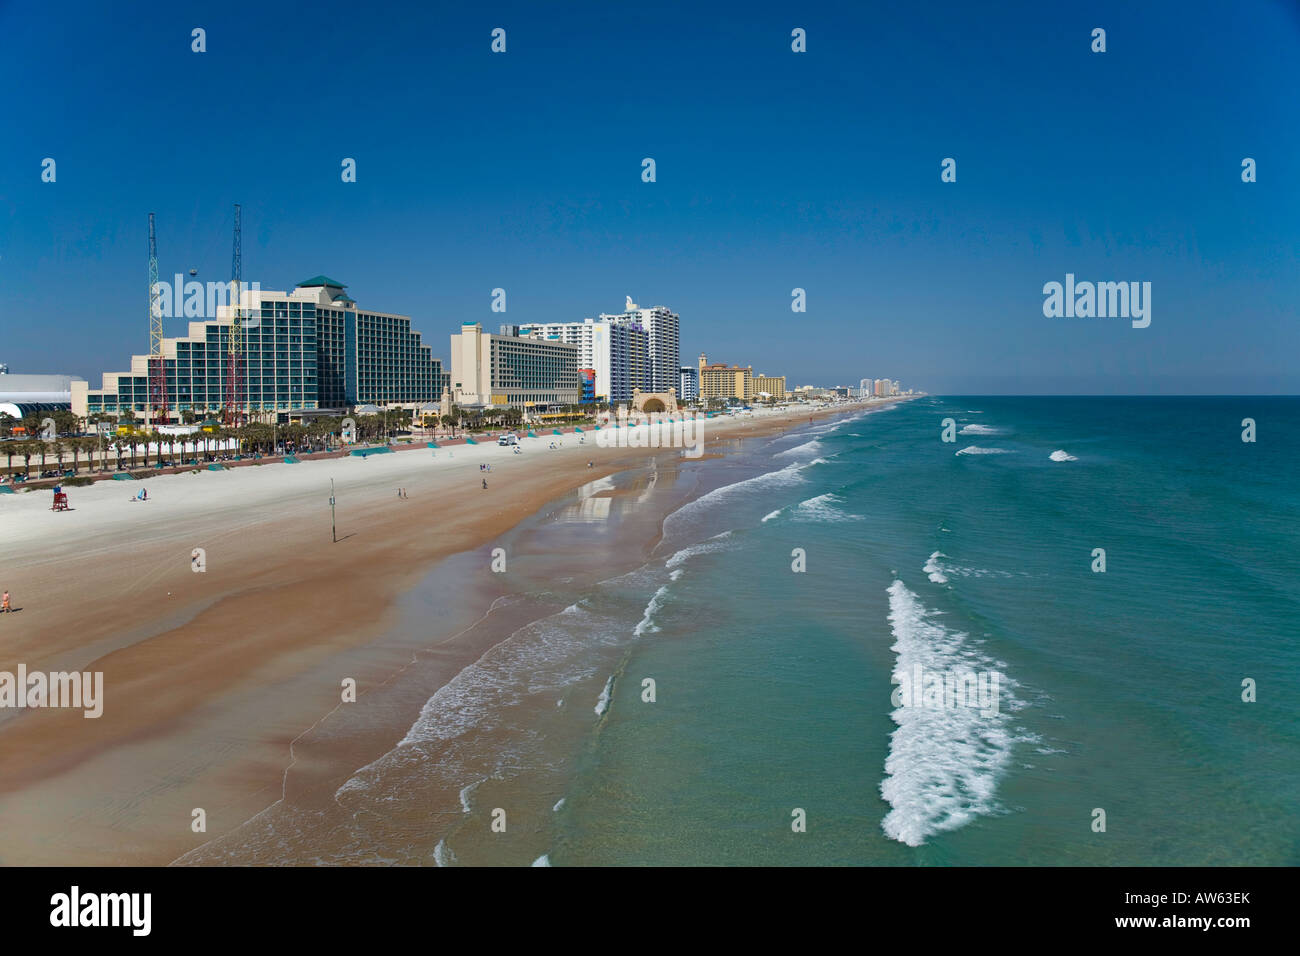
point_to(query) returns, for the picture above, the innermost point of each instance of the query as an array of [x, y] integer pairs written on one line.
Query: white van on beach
[[508, 439]]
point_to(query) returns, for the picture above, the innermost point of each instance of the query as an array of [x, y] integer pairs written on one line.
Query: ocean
[[707, 659]]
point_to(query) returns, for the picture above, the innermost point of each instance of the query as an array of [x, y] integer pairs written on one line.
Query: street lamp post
[[334, 534]]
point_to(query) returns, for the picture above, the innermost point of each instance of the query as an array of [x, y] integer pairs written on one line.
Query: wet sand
[[211, 677]]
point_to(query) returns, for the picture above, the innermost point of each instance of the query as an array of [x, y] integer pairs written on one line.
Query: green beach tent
[[556, 431], [216, 466], [531, 433], [432, 444], [123, 476], [292, 460], [470, 441]]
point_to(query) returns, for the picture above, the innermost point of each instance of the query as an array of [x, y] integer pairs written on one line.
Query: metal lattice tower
[[235, 354], [157, 364]]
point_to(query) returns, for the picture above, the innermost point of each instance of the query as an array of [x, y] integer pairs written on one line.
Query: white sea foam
[[543, 860], [977, 450], [465, 794], [944, 762], [692, 510], [558, 803], [647, 624], [935, 569], [602, 702], [1061, 455], [717, 543], [978, 430], [807, 448], [769, 517], [442, 855], [825, 509]]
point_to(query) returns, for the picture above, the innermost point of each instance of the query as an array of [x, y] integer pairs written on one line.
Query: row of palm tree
[[253, 438]]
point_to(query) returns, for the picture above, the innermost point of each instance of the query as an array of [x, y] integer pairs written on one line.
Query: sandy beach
[[210, 678]]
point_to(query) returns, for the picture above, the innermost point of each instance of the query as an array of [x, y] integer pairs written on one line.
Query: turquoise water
[[777, 692], [1119, 691]]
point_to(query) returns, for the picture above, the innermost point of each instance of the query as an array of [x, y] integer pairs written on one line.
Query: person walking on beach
[[4, 604], [485, 484]]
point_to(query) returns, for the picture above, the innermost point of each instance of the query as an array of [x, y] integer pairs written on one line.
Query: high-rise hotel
[[636, 348], [524, 370], [663, 340], [306, 349], [617, 353]]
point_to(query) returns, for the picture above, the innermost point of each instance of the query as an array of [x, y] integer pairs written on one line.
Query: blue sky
[[775, 170]]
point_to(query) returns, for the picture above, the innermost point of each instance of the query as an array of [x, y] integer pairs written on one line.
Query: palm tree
[[27, 449], [76, 446], [59, 450]]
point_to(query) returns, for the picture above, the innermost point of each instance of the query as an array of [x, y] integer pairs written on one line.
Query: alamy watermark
[[655, 430], [1102, 300], [200, 300], [76, 689], [946, 690]]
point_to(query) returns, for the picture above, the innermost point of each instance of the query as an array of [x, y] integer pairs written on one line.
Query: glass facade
[[532, 371], [297, 355], [279, 370]]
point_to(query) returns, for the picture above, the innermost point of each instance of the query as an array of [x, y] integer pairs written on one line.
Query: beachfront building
[[618, 352], [725, 381], [364, 357], [663, 332], [23, 395], [310, 348], [688, 384], [773, 386], [522, 371]]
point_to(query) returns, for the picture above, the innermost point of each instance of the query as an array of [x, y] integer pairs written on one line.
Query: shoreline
[[184, 669]]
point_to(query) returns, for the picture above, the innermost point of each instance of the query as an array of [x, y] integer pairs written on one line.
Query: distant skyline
[[775, 170]]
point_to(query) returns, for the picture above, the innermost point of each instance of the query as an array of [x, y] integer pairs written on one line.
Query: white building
[[520, 371], [663, 327], [617, 352], [688, 388]]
